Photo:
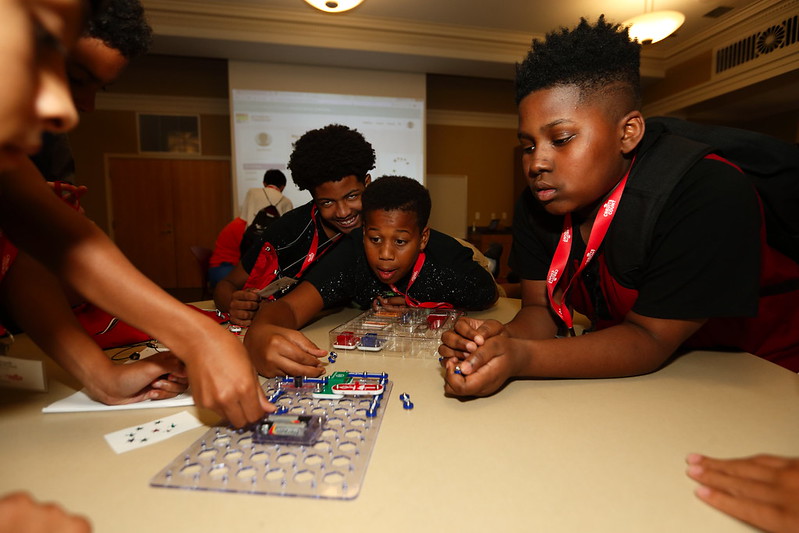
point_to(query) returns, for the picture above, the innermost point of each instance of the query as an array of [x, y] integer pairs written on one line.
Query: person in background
[[227, 251], [270, 194]]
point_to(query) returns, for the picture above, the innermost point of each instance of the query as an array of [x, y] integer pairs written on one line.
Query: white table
[[603, 455]]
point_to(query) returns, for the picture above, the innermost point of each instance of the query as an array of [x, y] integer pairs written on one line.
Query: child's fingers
[[475, 361], [159, 394], [763, 468], [745, 488], [454, 344], [167, 386], [467, 327], [761, 515], [304, 343]]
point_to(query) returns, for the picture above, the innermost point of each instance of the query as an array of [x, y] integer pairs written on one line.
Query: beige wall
[[104, 132], [485, 154], [482, 152]]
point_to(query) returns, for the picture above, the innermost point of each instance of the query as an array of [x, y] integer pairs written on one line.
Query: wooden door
[[161, 207]]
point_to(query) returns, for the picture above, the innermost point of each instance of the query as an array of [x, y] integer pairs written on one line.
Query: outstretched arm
[[273, 342], [77, 252], [762, 490], [34, 300], [229, 297], [636, 346]]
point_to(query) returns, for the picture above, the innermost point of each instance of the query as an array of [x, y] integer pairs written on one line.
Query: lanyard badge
[[561, 258], [409, 300]]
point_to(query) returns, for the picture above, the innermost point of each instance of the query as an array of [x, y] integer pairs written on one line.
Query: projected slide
[[266, 123]]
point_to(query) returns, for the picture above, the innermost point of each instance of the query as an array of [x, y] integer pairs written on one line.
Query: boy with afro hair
[[586, 154], [333, 164], [394, 251]]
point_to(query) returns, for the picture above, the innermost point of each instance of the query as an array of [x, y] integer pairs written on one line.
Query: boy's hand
[[19, 513], [762, 490], [223, 379], [157, 377], [243, 306], [468, 335], [485, 369], [277, 351], [388, 302]]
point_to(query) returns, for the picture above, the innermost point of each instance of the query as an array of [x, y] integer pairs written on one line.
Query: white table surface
[[603, 455]]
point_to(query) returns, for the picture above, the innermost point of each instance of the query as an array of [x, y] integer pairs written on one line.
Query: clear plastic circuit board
[[335, 425], [399, 332]]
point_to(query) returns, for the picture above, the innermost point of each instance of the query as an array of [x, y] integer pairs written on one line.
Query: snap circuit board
[[317, 445]]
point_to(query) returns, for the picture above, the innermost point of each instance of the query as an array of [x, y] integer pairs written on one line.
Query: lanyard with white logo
[[560, 260], [412, 302], [312, 251]]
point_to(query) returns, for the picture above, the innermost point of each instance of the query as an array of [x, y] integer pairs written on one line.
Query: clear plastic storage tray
[[399, 331]]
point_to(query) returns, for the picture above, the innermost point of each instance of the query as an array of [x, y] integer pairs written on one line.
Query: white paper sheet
[[80, 402]]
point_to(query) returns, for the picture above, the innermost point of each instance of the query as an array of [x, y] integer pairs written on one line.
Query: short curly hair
[[591, 57], [398, 193], [330, 154], [121, 25]]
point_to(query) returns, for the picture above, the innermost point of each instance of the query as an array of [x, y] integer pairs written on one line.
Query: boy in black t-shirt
[[397, 252], [586, 153], [333, 164]]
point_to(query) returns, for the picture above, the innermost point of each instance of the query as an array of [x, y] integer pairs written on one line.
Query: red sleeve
[[226, 248]]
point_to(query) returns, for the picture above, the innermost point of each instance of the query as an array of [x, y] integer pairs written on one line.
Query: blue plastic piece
[[278, 393], [406, 401]]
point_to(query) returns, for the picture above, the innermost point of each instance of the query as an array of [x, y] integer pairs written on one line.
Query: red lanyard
[[560, 260], [412, 302], [312, 251]]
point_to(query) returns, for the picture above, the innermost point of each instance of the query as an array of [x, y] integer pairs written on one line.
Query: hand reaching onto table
[[243, 306], [278, 351], [19, 513], [157, 377], [762, 490]]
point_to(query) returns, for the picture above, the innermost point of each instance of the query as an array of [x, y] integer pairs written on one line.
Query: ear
[[425, 238], [632, 131], [367, 180]]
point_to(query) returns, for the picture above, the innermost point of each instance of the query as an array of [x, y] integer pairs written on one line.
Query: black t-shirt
[[449, 274], [291, 236], [704, 258]]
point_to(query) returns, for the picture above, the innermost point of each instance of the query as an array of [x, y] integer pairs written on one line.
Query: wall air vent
[[761, 43]]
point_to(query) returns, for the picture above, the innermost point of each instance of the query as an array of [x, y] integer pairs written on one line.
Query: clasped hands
[[478, 356]]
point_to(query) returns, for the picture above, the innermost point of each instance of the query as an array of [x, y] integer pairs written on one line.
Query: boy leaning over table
[[333, 164], [583, 139], [395, 251]]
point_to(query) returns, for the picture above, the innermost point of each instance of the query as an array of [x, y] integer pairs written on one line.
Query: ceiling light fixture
[[334, 6], [653, 26]]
